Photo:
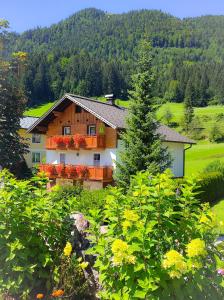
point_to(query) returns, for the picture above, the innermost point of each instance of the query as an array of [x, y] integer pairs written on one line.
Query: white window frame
[[89, 130], [34, 157], [65, 129], [96, 162], [36, 138]]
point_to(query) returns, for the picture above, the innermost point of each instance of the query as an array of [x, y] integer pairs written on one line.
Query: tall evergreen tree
[[142, 143], [12, 106], [188, 106]]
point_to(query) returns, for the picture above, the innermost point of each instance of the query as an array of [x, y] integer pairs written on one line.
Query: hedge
[[211, 187]]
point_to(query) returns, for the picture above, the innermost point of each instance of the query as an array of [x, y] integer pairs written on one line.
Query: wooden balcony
[[99, 173], [87, 142]]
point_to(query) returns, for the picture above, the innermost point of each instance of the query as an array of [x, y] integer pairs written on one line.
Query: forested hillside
[[93, 53]]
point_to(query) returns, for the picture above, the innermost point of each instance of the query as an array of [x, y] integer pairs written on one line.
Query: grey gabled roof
[[112, 115], [26, 122], [171, 135]]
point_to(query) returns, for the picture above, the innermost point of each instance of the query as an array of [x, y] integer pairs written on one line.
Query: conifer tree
[[12, 105], [142, 144], [188, 106]]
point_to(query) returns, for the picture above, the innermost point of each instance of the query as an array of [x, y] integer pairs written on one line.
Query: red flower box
[[67, 140], [82, 171], [59, 141], [49, 169], [70, 171], [60, 169], [79, 140]]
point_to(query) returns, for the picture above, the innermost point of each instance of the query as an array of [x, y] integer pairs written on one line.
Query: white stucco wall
[[108, 157], [177, 153], [82, 157]]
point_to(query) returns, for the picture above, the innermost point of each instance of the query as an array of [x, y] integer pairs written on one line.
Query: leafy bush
[[158, 243], [211, 187], [214, 166], [83, 200], [215, 134], [33, 233]]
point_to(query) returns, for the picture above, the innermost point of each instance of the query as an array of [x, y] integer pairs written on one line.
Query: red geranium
[[70, 170], [79, 140], [82, 171], [67, 140], [49, 169], [59, 140], [59, 169]]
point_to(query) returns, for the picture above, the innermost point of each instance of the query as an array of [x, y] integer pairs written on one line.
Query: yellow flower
[[121, 253], [68, 249], [196, 248], [126, 224], [118, 246], [130, 215], [131, 259], [39, 296], [84, 265], [204, 219], [174, 261], [175, 274]]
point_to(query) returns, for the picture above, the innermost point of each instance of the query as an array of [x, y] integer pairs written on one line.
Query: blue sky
[[26, 14]]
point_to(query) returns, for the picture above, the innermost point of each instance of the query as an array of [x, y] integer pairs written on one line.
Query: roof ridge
[[97, 101]]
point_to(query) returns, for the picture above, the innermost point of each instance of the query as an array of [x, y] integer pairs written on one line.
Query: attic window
[[78, 109]]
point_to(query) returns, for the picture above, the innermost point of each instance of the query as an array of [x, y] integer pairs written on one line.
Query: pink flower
[[220, 272]]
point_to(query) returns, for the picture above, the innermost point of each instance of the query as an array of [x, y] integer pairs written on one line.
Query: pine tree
[[142, 143], [12, 105], [188, 106]]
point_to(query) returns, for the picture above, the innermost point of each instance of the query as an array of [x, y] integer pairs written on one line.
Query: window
[[78, 109], [96, 159], [91, 130], [36, 138], [35, 157], [67, 130], [62, 158]]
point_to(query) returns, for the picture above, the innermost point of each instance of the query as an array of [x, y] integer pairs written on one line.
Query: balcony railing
[[77, 172], [75, 142]]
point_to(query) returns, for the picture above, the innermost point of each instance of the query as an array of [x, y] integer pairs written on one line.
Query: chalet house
[[36, 142], [83, 137]]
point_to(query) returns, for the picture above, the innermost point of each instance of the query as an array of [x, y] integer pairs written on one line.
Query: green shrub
[[158, 243], [33, 233], [215, 166], [90, 200], [83, 200], [215, 134], [211, 187], [66, 192]]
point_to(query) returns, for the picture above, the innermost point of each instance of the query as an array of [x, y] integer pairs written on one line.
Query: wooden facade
[[79, 122]]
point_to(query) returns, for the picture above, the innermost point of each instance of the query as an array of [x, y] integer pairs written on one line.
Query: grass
[[218, 210], [200, 155], [39, 110]]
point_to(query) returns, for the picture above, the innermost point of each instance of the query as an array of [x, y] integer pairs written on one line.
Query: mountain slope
[[93, 53]]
